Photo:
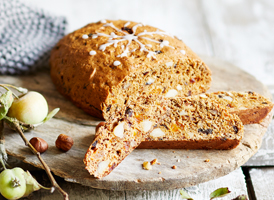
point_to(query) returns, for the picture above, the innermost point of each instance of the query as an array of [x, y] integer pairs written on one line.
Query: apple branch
[[15, 125]]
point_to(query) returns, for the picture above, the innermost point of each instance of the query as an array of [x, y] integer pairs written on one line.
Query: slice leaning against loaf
[[197, 122], [249, 106], [104, 66]]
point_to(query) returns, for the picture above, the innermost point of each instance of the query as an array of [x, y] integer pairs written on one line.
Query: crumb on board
[[207, 160], [174, 167], [153, 162]]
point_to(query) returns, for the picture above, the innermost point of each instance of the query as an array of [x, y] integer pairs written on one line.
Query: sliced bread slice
[[251, 107], [197, 122]]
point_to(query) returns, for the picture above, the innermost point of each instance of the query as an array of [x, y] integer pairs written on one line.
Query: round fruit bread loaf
[[106, 66]]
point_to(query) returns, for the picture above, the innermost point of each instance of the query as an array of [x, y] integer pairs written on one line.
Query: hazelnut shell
[[39, 144], [64, 142]]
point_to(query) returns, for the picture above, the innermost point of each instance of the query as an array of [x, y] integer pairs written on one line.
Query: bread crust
[[88, 80], [218, 143], [253, 116]]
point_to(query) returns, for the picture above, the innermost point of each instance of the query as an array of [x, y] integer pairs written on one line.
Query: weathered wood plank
[[265, 155], [235, 181], [263, 182]]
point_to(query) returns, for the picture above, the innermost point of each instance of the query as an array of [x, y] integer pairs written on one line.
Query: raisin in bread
[[197, 122], [105, 66]]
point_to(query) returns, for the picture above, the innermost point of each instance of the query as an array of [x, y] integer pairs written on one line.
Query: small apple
[[32, 108]]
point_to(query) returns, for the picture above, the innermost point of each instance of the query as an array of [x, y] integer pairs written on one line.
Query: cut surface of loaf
[[104, 66], [251, 107], [197, 122]]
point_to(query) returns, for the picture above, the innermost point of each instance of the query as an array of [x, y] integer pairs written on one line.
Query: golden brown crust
[[218, 143], [253, 116], [89, 81]]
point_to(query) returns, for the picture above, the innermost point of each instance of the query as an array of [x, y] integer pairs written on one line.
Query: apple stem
[[5, 86], [15, 125]]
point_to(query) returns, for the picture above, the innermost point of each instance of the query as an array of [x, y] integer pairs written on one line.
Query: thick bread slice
[[251, 107], [196, 121], [104, 66]]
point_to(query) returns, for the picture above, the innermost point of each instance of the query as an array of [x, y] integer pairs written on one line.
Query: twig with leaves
[[6, 100], [15, 125]]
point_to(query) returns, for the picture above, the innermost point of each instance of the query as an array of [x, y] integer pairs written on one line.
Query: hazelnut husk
[[39, 144], [64, 142]]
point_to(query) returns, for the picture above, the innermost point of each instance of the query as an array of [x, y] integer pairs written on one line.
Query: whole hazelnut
[[39, 144], [99, 125], [64, 142]]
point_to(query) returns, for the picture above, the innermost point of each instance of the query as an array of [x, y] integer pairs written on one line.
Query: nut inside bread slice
[[198, 122]]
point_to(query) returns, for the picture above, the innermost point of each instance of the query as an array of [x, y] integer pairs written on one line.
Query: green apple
[[12, 183], [32, 108]]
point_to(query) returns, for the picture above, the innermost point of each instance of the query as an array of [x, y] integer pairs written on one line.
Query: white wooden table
[[238, 31]]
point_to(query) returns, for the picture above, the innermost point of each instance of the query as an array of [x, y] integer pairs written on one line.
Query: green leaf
[[5, 103], [31, 184], [50, 115], [219, 193], [185, 195], [241, 197]]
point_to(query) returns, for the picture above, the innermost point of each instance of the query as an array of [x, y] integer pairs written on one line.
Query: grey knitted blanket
[[26, 37]]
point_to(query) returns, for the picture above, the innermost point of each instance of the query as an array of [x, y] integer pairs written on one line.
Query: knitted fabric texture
[[26, 37]]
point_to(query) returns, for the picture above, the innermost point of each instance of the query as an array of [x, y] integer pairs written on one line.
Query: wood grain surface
[[263, 182], [129, 175]]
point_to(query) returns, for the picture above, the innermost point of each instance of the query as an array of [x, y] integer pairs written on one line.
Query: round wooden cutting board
[[129, 175]]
